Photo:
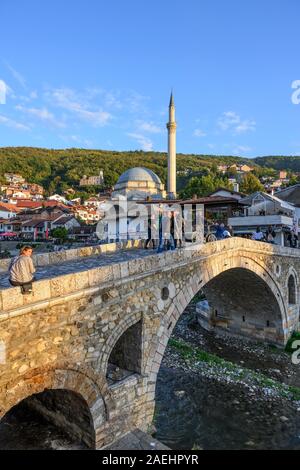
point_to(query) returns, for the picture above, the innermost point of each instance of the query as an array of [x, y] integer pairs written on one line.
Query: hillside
[[57, 170]]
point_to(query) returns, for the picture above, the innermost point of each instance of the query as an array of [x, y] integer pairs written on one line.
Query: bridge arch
[[210, 275], [40, 386], [123, 328]]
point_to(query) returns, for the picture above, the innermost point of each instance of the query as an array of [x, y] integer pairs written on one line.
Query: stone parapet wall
[[64, 288], [45, 259]]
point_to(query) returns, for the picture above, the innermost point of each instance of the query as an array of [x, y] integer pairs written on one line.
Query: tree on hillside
[[231, 172], [250, 184], [294, 179], [203, 185], [214, 168]]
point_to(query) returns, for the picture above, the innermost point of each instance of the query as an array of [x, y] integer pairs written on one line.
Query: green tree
[[294, 179], [61, 233], [231, 172], [214, 168], [250, 184], [203, 185]]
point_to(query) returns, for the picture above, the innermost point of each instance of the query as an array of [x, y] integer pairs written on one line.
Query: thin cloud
[[199, 133], [231, 121], [145, 143], [112, 100], [148, 127], [43, 114], [71, 101], [13, 124], [241, 149], [17, 76], [33, 95], [135, 102], [77, 139]]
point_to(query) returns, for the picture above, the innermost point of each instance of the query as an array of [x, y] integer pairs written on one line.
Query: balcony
[[260, 220]]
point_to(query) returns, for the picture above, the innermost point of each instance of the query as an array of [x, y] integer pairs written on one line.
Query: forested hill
[[279, 162], [57, 170]]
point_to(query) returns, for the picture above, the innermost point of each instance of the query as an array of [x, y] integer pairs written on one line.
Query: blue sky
[[98, 74]]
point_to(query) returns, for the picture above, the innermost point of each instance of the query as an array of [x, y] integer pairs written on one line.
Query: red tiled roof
[[5, 206], [27, 204]]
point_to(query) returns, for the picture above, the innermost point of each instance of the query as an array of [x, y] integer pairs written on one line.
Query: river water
[[196, 413]]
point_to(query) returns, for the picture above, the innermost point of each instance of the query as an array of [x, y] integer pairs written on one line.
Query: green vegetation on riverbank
[[194, 357]]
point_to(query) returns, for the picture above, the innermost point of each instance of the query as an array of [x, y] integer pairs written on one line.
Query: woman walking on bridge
[[21, 270]]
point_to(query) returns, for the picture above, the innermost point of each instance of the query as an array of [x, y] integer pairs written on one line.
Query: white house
[[224, 192], [65, 221], [7, 211], [265, 210], [58, 198]]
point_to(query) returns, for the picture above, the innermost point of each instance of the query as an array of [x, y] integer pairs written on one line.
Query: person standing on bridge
[[258, 235], [220, 228], [21, 270]]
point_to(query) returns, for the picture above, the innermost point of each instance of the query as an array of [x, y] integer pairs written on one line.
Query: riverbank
[[225, 393]]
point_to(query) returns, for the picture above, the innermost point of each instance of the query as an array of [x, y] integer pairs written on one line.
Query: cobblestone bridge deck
[[81, 264]]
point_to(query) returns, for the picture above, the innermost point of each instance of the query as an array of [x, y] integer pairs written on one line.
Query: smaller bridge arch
[[292, 290], [49, 391], [123, 328], [292, 286]]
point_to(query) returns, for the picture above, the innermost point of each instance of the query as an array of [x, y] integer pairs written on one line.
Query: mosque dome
[[139, 174], [139, 183]]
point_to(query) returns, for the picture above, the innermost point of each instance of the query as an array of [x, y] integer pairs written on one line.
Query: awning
[[8, 234]]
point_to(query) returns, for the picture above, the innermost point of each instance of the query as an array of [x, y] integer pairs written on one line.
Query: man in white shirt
[[258, 235]]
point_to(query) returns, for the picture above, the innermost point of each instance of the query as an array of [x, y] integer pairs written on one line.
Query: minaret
[[171, 126]]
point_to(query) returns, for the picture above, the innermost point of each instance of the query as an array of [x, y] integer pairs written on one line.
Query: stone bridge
[[96, 308]]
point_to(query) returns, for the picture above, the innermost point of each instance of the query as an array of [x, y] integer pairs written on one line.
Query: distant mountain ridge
[[291, 163]]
